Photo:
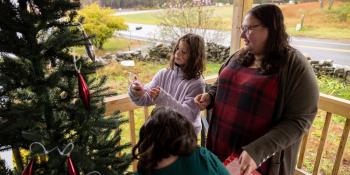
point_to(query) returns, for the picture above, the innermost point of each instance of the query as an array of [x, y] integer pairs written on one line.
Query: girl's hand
[[202, 100], [136, 87], [154, 93], [247, 163]]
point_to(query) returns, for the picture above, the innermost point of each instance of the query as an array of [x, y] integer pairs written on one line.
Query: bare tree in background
[[330, 4], [190, 18], [321, 4]]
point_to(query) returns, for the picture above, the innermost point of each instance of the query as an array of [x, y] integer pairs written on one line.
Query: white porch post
[[240, 8], [7, 156]]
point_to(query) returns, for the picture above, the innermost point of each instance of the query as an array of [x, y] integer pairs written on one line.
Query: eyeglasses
[[245, 29]]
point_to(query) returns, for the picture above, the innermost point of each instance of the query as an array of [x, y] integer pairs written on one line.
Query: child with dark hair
[[167, 146], [177, 85]]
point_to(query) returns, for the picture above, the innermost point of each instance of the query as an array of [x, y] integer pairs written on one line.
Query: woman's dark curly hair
[[277, 44], [195, 64], [165, 133]]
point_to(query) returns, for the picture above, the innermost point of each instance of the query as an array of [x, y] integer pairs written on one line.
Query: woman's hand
[[247, 163], [154, 92], [202, 100]]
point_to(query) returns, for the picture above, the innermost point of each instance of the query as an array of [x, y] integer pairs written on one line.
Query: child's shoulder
[[164, 70], [198, 81], [203, 151]]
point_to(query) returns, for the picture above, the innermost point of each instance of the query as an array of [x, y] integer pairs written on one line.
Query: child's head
[[165, 133], [189, 54]]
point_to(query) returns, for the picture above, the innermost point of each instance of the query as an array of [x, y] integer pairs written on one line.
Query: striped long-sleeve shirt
[[176, 92]]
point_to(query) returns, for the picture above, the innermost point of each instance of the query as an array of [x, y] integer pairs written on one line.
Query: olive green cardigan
[[295, 111]]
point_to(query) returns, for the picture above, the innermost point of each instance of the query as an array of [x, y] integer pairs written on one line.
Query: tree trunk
[[321, 4], [330, 4], [100, 45], [18, 159], [102, 3]]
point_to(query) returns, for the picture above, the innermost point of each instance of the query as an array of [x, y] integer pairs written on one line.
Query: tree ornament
[[29, 169], [84, 91], [72, 170], [83, 87]]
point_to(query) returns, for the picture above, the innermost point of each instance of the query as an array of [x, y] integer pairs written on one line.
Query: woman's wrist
[[211, 101]]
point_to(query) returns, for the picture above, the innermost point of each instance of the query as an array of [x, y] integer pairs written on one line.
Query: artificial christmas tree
[[39, 92]]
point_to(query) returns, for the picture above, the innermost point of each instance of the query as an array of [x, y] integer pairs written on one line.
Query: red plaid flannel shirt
[[243, 109]]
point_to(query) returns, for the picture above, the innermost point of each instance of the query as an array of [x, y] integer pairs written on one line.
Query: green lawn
[[112, 45], [225, 13], [321, 32], [329, 30], [142, 18]]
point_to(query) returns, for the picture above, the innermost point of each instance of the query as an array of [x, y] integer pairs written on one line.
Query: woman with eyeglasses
[[264, 100]]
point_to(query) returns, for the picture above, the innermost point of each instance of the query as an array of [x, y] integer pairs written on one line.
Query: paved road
[[321, 49], [317, 49], [131, 12]]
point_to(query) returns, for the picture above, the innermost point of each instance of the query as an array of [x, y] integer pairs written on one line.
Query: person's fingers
[[199, 104], [202, 100], [151, 92], [247, 164], [154, 92], [197, 98], [242, 162], [240, 158], [244, 168], [248, 170], [203, 97], [136, 87], [157, 89], [139, 93], [132, 79]]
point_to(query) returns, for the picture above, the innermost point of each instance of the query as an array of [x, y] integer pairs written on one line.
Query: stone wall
[[161, 53], [217, 53], [326, 67]]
